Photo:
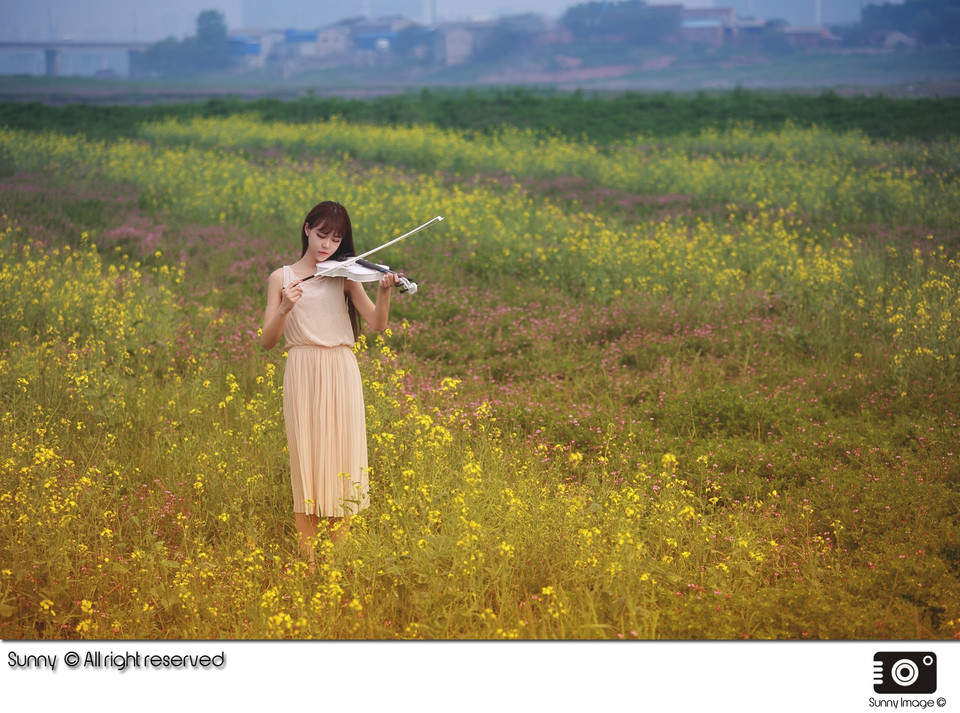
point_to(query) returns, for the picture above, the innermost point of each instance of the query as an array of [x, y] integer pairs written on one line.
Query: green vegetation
[[599, 119]]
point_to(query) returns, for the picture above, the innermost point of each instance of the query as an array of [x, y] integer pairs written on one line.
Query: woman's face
[[322, 242]]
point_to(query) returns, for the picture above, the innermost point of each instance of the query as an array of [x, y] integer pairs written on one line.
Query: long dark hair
[[334, 217]]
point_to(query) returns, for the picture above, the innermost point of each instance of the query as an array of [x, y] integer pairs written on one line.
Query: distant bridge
[[53, 49]]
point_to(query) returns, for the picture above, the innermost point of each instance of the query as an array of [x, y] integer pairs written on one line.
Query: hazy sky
[[149, 20]]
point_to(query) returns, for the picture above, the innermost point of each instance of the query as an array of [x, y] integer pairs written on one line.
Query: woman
[[322, 390]]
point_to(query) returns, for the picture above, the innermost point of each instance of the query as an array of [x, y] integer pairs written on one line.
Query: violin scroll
[[408, 286]]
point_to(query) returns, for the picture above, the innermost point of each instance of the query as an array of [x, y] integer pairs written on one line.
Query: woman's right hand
[[289, 296]]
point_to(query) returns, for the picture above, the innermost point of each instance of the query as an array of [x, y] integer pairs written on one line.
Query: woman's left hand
[[389, 280]]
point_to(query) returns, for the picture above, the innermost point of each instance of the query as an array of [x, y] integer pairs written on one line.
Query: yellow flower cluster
[[822, 172]]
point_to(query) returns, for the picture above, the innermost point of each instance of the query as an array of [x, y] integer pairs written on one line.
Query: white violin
[[360, 270]]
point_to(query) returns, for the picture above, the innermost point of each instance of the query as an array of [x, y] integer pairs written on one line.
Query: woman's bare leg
[[307, 525]]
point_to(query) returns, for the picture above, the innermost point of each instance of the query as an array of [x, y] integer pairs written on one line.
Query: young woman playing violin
[[322, 392]]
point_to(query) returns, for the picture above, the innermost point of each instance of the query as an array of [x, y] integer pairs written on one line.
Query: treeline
[[633, 20], [933, 22], [600, 119], [204, 52]]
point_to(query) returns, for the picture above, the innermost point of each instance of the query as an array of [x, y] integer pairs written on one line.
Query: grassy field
[[695, 386]]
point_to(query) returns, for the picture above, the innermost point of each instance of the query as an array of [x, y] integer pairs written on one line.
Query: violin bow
[[350, 260]]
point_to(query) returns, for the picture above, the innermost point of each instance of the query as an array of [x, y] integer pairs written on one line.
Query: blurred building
[[810, 36], [710, 25], [365, 40], [334, 40], [378, 35], [801, 13], [348, 41], [454, 44]]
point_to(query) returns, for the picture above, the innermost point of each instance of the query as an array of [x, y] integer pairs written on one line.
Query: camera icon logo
[[905, 672]]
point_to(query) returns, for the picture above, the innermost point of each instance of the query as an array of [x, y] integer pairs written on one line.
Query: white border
[[472, 676]]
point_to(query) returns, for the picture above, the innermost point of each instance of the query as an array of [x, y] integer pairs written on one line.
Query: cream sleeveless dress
[[323, 403]]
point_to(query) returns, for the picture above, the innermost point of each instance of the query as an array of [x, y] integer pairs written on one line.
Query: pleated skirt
[[326, 431]]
